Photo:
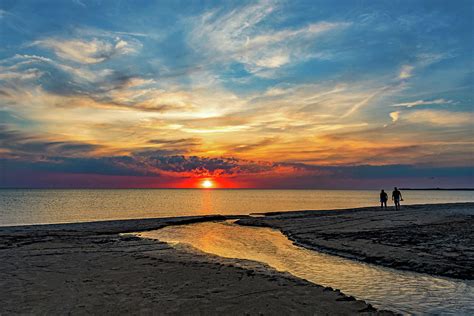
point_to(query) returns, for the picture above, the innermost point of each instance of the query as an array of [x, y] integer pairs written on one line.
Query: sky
[[258, 94]]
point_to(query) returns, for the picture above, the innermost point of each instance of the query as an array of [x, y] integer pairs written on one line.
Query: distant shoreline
[[437, 189]]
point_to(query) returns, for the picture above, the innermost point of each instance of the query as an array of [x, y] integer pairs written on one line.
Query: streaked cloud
[[17, 144], [89, 51], [439, 117], [423, 102], [238, 36]]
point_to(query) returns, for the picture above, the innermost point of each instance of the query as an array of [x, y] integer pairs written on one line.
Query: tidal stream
[[385, 288]]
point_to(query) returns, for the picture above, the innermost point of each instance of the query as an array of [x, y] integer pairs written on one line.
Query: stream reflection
[[385, 288]]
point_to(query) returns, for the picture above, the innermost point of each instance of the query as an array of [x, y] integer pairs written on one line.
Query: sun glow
[[207, 184]]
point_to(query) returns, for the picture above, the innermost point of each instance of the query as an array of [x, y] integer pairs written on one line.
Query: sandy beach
[[97, 268], [90, 268], [435, 238]]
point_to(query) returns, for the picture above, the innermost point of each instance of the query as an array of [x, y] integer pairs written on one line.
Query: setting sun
[[207, 184]]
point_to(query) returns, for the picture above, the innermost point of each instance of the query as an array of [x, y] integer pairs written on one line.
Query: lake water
[[23, 206], [399, 291]]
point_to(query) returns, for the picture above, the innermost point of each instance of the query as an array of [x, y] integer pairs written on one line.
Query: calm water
[[400, 291], [60, 206]]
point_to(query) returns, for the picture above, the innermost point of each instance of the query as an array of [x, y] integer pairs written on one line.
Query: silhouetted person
[[383, 199], [396, 197]]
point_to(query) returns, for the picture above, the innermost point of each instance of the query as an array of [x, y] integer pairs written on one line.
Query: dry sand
[[436, 239], [89, 268]]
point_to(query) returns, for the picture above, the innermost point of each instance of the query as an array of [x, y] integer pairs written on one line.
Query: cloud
[[441, 118], [239, 36], [187, 166], [427, 59], [318, 104], [443, 145], [80, 157], [422, 60], [80, 3], [19, 151], [60, 77], [155, 164], [175, 146], [22, 68], [406, 72], [89, 51], [253, 173], [18, 144], [395, 171], [423, 102], [28, 74], [360, 104], [129, 114], [394, 116], [182, 142], [36, 79], [254, 146], [369, 95]]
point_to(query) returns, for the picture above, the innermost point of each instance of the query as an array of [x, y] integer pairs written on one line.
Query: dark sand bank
[[435, 238], [90, 268]]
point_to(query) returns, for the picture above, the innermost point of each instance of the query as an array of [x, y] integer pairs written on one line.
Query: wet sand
[[90, 268], [436, 239]]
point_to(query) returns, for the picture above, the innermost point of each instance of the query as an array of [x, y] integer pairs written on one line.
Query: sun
[[207, 184]]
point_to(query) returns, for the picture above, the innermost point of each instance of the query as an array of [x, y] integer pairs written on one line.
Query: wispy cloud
[[264, 143], [423, 102], [406, 72], [238, 36], [20, 144], [89, 51], [80, 3], [441, 118], [421, 61]]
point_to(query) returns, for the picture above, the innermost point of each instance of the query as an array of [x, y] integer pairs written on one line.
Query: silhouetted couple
[[396, 198]]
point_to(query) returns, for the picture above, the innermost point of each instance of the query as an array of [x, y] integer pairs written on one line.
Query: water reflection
[[59, 206], [385, 288]]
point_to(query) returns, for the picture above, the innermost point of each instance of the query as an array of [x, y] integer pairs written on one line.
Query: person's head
[[382, 191], [395, 188]]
